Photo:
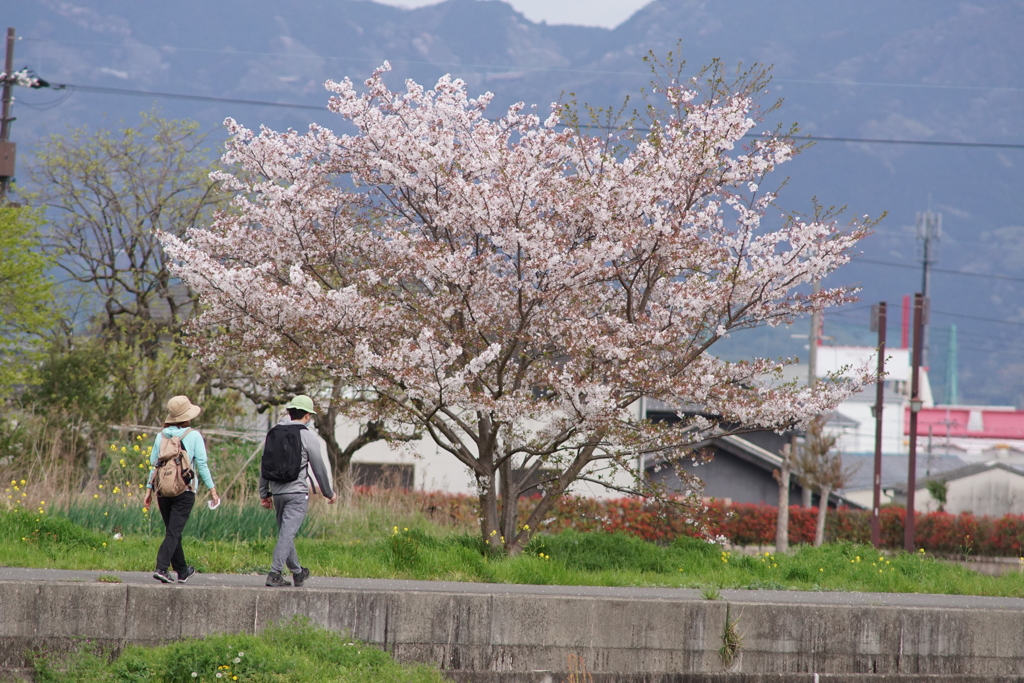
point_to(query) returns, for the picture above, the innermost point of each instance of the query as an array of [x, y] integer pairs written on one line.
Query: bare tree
[[821, 466], [108, 193]]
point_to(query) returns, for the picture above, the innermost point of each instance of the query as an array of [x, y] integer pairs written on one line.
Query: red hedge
[[741, 523]]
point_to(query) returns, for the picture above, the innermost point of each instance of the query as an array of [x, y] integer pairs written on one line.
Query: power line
[[507, 67], [950, 315], [976, 317], [288, 105], [180, 96], [939, 270]]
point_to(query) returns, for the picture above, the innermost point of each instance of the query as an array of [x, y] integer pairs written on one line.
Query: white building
[[993, 488]]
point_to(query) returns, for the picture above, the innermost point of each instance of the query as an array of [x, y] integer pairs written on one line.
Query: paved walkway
[[910, 600]]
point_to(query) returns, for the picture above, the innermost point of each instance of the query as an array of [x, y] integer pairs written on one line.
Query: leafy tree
[[27, 308], [513, 287]]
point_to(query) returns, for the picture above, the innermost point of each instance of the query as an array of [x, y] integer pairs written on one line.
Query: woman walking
[[175, 510]]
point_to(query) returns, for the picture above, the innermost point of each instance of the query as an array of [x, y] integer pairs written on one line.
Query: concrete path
[[920, 600]]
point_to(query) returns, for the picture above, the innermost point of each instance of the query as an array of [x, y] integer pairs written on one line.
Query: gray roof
[[894, 468], [961, 472], [765, 459]]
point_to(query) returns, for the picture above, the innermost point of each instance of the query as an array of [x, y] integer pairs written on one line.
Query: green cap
[[301, 402]]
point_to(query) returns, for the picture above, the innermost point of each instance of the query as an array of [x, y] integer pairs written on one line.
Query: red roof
[[986, 423]]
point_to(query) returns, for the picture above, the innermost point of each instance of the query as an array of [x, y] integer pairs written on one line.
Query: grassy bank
[[291, 653], [364, 544]]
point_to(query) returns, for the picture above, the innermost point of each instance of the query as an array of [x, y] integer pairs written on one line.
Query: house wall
[[994, 492], [728, 476], [438, 470], [862, 438]]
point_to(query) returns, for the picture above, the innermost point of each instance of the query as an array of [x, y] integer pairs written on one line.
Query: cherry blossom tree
[[513, 287]]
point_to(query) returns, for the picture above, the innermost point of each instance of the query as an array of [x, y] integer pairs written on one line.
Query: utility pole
[[928, 467], [878, 322], [952, 375], [929, 230], [915, 408], [813, 339], [7, 148]]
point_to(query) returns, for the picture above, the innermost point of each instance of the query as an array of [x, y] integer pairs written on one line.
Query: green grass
[[362, 545], [296, 652]]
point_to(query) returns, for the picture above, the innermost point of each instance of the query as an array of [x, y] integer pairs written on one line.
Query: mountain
[[917, 70]]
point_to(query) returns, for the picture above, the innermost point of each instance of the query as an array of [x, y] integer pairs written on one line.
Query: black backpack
[[282, 453]]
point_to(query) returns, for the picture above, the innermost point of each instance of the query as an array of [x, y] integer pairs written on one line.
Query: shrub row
[[753, 524]]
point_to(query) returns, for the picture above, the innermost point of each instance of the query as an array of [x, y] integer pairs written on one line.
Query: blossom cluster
[[24, 78]]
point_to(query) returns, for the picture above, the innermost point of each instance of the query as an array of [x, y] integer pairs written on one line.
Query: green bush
[[296, 652], [46, 530]]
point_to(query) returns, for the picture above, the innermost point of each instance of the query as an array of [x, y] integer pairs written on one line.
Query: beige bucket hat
[[180, 409]]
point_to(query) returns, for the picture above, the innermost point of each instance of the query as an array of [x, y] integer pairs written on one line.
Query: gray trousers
[[291, 510]]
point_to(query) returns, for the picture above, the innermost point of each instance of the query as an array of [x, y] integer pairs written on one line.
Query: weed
[[711, 593], [578, 670], [108, 578], [732, 640]]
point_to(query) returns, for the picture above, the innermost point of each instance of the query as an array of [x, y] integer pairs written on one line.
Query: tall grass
[[229, 522], [48, 457]]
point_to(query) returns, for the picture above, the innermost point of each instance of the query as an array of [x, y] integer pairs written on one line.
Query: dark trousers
[[175, 512]]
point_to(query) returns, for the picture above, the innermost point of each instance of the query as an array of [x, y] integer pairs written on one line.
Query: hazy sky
[[607, 13]]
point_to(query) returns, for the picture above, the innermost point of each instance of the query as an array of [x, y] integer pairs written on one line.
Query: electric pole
[[929, 230], [915, 407], [812, 354], [952, 378], [878, 322], [7, 148]]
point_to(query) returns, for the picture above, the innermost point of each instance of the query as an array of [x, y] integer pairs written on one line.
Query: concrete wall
[[485, 629]]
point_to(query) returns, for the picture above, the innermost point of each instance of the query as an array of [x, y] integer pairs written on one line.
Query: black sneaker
[[162, 575], [275, 580], [300, 576], [186, 575]]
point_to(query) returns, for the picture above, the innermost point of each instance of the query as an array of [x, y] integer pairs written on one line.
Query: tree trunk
[[488, 512], [782, 518], [509, 508], [805, 495], [340, 458], [819, 533]]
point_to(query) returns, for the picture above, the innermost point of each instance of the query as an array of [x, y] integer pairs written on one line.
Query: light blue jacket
[[194, 446]]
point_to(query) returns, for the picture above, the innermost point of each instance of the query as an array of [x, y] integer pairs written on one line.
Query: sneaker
[[186, 575], [300, 576], [162, 575], [275, 580]]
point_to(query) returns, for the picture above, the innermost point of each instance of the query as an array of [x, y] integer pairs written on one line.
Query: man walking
[[291, 463]]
